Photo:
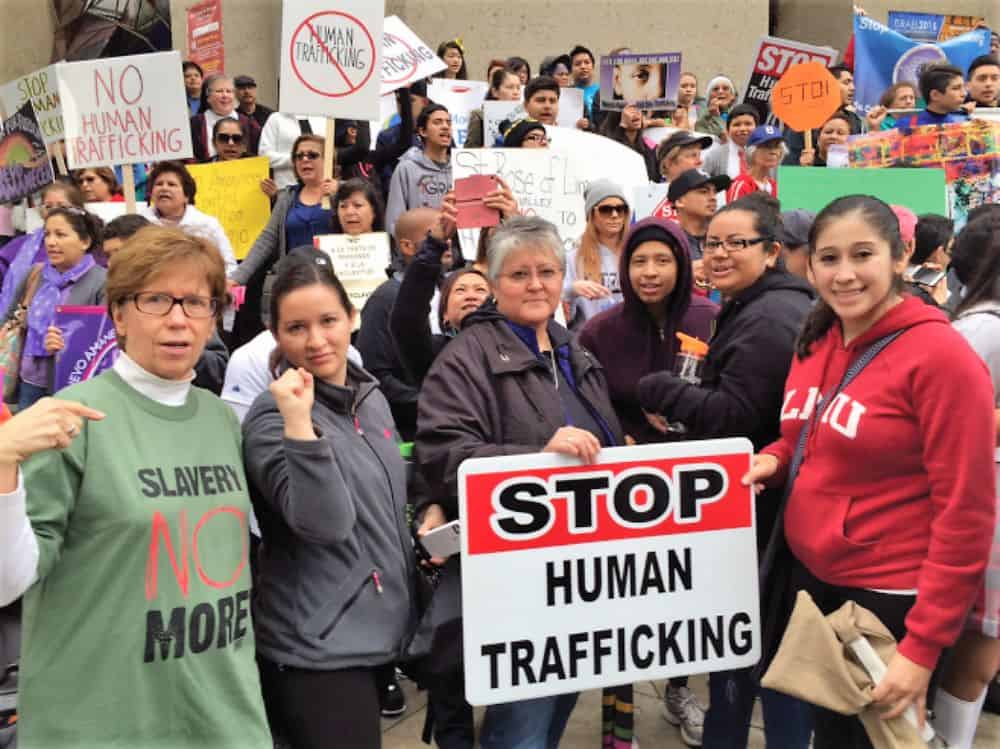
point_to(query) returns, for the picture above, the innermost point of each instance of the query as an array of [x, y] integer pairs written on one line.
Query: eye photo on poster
[[648, 81]]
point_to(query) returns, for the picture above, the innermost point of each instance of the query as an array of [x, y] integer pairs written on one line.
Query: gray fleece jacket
[[337, 566], [418, 182]]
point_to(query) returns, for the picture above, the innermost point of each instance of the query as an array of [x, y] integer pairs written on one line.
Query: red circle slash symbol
[[349, 37]]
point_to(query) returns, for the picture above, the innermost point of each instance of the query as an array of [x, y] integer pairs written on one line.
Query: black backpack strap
[[776, 564], [304, 127]]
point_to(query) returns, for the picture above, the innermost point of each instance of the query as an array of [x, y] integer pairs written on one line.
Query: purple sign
[[91, 344], [646, 81], [24, 163]]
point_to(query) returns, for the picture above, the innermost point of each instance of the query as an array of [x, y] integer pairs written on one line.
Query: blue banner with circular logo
[[883, 57]]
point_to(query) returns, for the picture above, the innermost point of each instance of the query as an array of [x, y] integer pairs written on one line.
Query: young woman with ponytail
[[893, 504]]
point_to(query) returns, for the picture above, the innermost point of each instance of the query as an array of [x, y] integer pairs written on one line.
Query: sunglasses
[[235, 138], [612, 210], [307, 156]]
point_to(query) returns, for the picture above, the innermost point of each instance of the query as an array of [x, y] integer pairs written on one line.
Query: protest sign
[[405, 58], [772, 60], [883, 57], [550, 182], [805, 96], [124, 110], [230, 191], [24, 162], [570, 107], [920, 190], [640, 566], [42, 90], [204, 36], [647, 81], [651, 200], [542, 180], [968, 152], [359, 262], [91, 344], [931, 27], [330, 58], [495, 112], [460, 98]]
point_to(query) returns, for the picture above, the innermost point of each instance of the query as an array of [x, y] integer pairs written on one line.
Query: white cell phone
[[443, 541]]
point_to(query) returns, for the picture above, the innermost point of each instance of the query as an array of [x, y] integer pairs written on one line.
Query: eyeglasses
[[545, 275], [160, 305], [235, 138], [307, 156], [536, 138], [731, 245], [612, 210]]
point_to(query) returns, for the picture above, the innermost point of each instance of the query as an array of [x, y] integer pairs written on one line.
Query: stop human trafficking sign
[[331, 58], [642, 566]]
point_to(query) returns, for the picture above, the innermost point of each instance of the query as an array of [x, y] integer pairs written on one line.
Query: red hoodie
[[896, 490]]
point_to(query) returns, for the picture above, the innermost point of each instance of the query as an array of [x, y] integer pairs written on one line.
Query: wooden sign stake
[[329, 155]]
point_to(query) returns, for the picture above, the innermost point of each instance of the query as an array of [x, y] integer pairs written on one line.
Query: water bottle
[[687, 366]]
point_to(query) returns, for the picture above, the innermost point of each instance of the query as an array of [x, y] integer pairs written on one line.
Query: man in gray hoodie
[[424, 173]]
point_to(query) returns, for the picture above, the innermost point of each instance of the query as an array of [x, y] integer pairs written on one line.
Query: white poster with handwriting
[[358, 261]]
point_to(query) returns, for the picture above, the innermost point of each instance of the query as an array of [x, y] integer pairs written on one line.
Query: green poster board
[[921, 190]]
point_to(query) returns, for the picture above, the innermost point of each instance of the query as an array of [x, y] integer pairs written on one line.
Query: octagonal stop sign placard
[[806, 96]]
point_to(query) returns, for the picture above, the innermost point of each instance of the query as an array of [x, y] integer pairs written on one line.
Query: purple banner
[[24, 162], [91, 345]]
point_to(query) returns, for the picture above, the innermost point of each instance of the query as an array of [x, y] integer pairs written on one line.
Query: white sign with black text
[[641, 566]]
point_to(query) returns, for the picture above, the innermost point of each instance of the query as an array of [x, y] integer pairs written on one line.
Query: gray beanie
[[599, 190]]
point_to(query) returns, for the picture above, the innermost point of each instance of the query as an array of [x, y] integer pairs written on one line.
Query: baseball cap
[[679, 139], [795, 226], [244, 81], [764, 134], [693, 179]]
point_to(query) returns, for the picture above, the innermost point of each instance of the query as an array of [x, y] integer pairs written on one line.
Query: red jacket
[[896, 490]]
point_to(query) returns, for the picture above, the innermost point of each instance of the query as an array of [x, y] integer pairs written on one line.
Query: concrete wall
[[25, 45], [714, 35], [831, 21]]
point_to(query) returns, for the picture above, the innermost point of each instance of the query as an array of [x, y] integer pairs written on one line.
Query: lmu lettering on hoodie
[[843, 414]]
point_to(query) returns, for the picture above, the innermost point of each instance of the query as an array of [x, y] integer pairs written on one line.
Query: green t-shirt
[[138, 633]]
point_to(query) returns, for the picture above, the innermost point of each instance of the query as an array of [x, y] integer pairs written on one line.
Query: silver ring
[[71, 430]]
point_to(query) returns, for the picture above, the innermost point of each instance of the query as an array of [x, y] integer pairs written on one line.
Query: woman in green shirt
[[130, 540]]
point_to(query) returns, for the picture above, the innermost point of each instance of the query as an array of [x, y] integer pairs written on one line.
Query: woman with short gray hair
[[514, 382]]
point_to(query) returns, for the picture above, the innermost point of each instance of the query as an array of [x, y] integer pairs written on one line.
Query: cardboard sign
[[920, 190], [932, 27], [647, 81], [772, 60], [405, 58], [460, 98], [41, 88], [230, 191], [641, 566], [124, 110], [204, 36], [91, 344], [359, 262], [330, 58], [570, 107], [24, 161], [806, 96]]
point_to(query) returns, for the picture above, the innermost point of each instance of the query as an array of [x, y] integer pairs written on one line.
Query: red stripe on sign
[[568, 505]]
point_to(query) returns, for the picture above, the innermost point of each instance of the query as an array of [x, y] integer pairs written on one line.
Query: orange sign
[[805, 96]]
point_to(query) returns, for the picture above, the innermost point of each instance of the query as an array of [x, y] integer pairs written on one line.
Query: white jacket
[[276, 141]]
